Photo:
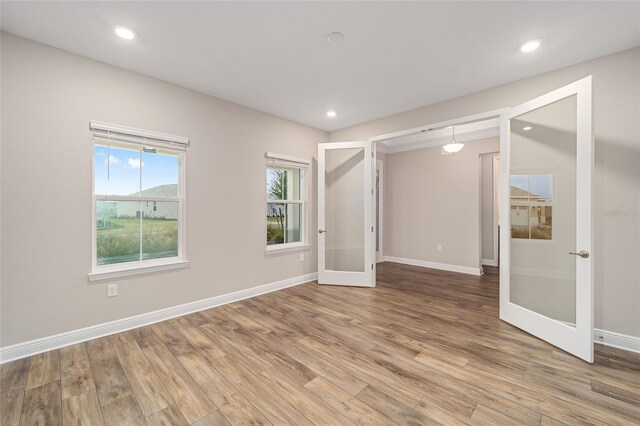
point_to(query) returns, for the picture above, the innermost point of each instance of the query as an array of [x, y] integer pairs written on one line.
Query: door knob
[[582, 253], [320, 231]]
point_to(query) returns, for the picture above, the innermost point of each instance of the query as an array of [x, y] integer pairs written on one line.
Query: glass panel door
[[345, 214], [546, 281], [543, 210]]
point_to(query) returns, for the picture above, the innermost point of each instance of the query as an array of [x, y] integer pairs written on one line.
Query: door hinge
[[372, 266], [372, 229]]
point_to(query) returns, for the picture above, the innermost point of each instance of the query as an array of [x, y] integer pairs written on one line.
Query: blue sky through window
[[125, 166], [540, 185]]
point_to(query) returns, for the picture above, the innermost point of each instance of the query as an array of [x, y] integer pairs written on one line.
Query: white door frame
[[584, 301], [347, 278], [380, 211], [577, 340], [497, 113], [496, 209]]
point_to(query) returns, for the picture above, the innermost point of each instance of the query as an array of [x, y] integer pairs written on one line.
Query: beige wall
[[616, 98], [48, 98], [432, 200]]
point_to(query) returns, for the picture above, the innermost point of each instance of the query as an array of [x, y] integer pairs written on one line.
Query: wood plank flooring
[[423, 347]]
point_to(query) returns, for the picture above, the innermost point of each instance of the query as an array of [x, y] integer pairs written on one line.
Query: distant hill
[[170, 190]]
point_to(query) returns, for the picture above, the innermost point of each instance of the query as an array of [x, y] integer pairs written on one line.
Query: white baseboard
[[44, 344], [36, 346], [489, 262], [617, 340], [608, 338], [434, 265]]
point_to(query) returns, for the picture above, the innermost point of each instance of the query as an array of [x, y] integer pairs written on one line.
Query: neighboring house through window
[[138, 199], [286, 203], [532, 206]]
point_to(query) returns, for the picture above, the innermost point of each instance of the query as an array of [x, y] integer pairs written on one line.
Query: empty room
[[328, 213]]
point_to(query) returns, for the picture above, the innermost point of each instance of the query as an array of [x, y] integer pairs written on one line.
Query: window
[[138, 197], [532, 206], [286, 206]]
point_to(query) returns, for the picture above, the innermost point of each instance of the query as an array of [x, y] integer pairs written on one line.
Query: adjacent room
[[329, 213]]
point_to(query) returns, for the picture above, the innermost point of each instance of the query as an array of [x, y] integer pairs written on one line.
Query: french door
[[546, 276], [345, 214]]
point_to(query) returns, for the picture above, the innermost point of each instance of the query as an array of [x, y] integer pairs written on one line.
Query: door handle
[[320, 231], [582, 253]]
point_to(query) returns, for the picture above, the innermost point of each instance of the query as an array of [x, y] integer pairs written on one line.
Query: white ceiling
[[274, 57]]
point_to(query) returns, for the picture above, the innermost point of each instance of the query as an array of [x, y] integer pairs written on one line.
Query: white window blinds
[[114, 132], [279, 160]]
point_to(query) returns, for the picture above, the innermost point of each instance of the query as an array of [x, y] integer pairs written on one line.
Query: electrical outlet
[[439, 247], [301, 257], [112, 290]]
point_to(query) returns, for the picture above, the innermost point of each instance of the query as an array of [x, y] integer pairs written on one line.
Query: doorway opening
[[489, 209], [546, 146]]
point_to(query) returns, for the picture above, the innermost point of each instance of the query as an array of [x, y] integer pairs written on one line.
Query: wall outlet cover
[[112, 290]]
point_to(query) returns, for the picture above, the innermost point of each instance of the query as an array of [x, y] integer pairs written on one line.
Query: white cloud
[[112, 160], [134, 163]]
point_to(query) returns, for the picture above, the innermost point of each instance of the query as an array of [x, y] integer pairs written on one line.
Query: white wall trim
[[489, 262], [616, 340], [105, 275], [44, 344], [434, 265], [36, 346], [380, 210], [442, 124], [438, 141]]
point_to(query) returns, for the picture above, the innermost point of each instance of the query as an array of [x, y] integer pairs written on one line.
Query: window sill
[[283, 248], [137, 270]]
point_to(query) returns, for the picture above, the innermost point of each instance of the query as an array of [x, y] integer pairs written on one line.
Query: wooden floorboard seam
[[423, 347]]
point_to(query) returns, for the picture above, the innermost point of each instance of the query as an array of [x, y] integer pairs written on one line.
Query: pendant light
[[454, 146]]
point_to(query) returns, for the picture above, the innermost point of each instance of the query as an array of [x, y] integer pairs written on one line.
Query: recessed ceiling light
[[529, 46], [331, 114], [125, 32], [526, 129], [335, 37]]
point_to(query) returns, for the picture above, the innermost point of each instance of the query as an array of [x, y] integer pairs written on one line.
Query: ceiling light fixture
[[454, 146], [125, 32], [335, 37], [527, 128], [331, 114], [529, 46]]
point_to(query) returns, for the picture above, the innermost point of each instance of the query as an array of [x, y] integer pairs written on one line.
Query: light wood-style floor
[[424, 347]]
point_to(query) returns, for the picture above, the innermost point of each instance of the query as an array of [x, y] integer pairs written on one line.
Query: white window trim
[[286, 247], [140, 267], [534, 172], [102, 272], [286, 161]]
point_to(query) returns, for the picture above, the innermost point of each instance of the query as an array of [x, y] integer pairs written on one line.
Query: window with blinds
[[286, 203], [138, 199]]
